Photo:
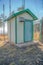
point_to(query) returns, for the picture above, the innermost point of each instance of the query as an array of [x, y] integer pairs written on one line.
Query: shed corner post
[[16, 29], [24, 31], [32, 31]]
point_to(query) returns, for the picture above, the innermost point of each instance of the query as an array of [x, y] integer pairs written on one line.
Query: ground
[[12, 54], [36, 36], [3, 38]]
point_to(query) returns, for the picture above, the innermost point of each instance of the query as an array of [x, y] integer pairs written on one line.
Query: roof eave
[[18, 13]]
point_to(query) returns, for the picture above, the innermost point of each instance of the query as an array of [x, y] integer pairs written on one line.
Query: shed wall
[[19, 33], [12, 30], [20, 27], [26, 16]]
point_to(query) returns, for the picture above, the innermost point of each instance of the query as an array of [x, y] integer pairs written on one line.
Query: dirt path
[[26, 54]]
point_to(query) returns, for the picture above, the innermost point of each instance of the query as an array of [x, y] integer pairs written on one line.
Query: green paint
[[24, 30], [32, 30], [15, 29], [21, 12]]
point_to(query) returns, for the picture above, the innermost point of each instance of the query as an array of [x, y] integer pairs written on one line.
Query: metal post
[[9, 7], [23, 4], [3, 21], [9, 15]]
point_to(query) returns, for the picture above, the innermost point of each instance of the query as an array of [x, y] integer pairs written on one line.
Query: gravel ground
[[11, 54]]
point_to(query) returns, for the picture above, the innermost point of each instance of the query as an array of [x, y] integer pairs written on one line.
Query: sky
[[36, 6]]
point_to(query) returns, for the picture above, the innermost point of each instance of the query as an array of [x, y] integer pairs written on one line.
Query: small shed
[[21, 26]]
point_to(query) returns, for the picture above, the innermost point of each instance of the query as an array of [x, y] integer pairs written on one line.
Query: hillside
[[11, 54]]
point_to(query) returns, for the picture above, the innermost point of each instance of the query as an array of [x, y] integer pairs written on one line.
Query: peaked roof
[[21, 12]]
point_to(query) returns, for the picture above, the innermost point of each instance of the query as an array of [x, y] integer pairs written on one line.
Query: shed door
[[28, 30]]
